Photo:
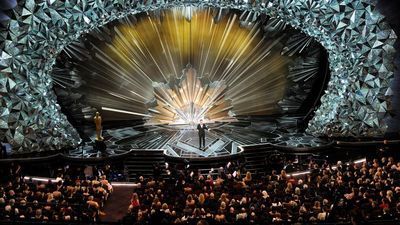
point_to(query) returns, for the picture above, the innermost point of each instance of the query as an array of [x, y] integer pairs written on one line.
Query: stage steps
[[149, 140], [256, 159], [140, 163]]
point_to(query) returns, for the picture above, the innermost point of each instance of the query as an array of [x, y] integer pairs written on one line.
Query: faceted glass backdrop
[[358, 40]]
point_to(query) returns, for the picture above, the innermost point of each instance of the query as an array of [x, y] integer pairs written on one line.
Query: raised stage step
[[255, 159], [141, 162]]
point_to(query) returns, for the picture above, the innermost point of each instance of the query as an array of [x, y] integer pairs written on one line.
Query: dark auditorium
[[199, 112]]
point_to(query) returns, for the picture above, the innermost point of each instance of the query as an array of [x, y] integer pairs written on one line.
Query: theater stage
[[224, 138]]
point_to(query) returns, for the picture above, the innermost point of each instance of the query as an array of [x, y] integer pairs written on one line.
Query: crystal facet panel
[[358, 40]]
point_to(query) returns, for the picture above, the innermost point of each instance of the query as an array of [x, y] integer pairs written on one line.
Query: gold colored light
[[157, 49], [188, 102]]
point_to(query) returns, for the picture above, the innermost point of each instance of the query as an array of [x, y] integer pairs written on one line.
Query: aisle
[[117, 205]]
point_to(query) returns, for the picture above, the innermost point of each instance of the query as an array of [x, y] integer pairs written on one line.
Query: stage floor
[[182, 141]]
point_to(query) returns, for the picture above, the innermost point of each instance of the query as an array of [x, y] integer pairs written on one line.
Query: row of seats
[[338, 193], [67, 198]]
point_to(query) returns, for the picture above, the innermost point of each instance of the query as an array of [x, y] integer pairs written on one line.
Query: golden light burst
[[189, 101], [149, 49]]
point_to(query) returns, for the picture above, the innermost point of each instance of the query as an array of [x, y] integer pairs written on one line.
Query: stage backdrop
[[359, 42]]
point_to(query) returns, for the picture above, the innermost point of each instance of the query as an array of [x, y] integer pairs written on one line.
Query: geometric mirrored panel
[[358, 41], [167, 71]]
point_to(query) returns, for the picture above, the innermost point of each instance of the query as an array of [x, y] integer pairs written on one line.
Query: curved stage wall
[[357, 101], [255, 158]]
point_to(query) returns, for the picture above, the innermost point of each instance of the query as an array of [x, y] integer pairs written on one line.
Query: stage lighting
[[188, 12], [360, 161], [188, 100], [124, 111]]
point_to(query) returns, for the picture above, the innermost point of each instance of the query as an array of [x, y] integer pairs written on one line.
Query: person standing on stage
[[202, 133]]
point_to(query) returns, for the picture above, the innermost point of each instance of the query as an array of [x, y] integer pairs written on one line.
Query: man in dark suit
[[202, 133]]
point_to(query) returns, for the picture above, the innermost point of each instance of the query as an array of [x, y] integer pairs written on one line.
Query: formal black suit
[[202, 134]]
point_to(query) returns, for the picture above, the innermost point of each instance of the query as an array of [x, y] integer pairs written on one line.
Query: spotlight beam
[[124, 111]]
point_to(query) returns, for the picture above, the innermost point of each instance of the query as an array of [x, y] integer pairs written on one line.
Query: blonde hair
[[248, 176], [223, 205], [202, 199], [223, 197]]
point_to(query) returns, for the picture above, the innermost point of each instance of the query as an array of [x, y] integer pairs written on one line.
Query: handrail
[[43, 158], [368, 143], [62, 156]]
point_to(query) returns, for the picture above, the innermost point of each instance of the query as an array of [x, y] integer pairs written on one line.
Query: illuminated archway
[[359, 43]]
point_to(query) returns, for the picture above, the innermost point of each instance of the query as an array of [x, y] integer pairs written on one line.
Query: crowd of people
[[328, 193], [67, 198], [355, 192]]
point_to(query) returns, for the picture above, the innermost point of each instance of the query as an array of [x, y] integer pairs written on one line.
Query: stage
[[223, 139]]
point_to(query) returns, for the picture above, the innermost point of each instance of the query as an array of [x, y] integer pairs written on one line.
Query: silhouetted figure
[[202, 133], [3, 151]]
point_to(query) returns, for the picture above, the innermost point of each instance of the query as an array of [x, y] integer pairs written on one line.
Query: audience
[[355, 192], [67, 199], [345, 192]]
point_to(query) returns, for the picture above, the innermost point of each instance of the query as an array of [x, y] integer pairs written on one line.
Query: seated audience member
[[70, 199], [354, 192]]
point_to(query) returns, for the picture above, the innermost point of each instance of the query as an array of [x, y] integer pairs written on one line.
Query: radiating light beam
[[124, 111]]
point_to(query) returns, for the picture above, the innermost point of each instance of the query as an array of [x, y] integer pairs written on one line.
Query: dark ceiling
[[390, 9]]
